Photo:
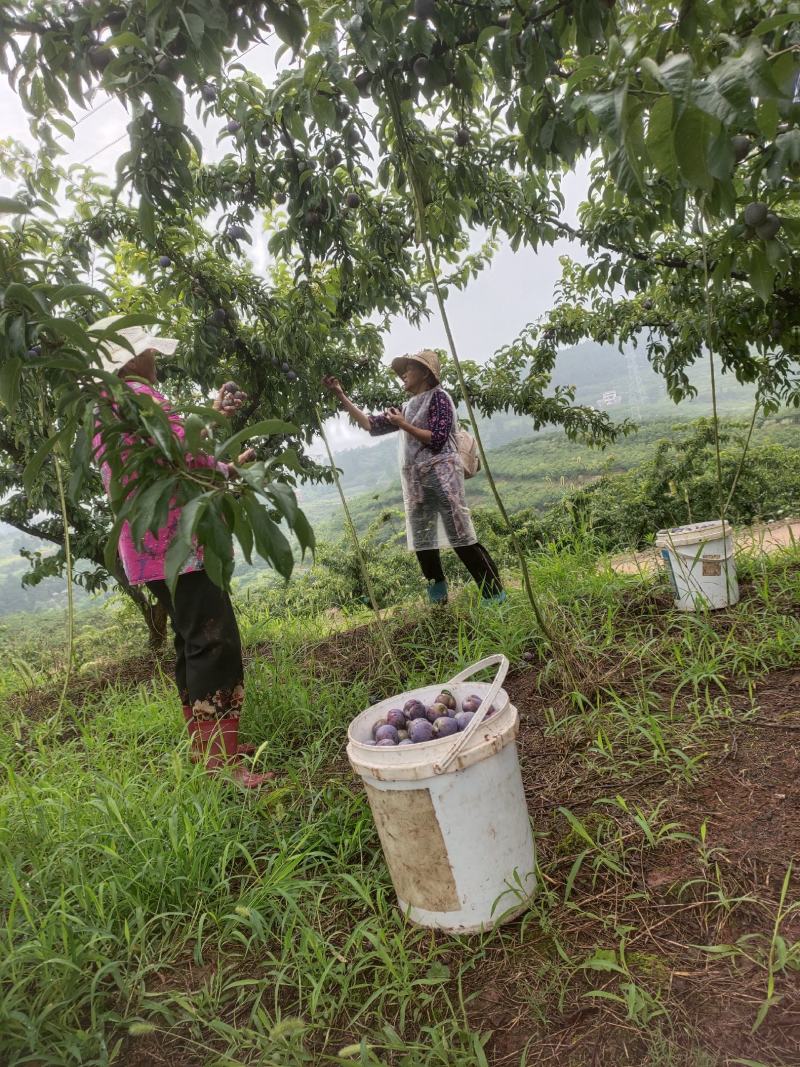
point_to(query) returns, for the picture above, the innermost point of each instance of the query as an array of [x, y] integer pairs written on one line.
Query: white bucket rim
[[694, 533], [431, 759]]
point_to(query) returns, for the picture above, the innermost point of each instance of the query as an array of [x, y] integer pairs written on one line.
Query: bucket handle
[[502, 665]]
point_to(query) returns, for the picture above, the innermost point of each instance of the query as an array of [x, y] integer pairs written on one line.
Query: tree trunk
[[153, 613]]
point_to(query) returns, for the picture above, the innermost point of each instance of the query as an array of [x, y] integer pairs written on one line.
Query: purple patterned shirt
[[440, 422]]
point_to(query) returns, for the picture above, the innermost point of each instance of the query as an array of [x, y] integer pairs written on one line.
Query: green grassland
[[151, 915]]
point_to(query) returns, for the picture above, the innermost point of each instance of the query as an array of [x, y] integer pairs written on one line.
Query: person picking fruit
[[432, 475], [209, 672]]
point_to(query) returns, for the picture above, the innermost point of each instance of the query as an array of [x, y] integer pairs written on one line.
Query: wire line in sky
[[110, 98]]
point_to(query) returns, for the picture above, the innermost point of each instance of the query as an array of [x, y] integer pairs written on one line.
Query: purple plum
[[386, 742], [463, 719], [420, 730], [447, 699], [386, 732], [471, 703], [377, 725], [414, 709], [402, 734], [445, 726], [435, 711], [396, 718]]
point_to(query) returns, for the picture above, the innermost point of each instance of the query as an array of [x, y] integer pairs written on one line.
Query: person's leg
[[430, 561], [160, 591], [213, 651], [482, 568], [205, 618]]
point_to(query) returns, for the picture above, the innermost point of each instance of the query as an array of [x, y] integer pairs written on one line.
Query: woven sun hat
[[114, 356], [426, 357]]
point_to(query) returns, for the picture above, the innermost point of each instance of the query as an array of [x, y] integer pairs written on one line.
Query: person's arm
[[396, 417], [370, 423], [440, 421]]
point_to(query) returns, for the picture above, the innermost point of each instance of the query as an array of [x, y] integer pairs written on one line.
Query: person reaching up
[[432, 475]]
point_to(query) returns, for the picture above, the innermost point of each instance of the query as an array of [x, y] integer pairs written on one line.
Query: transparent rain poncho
[[437, 515]]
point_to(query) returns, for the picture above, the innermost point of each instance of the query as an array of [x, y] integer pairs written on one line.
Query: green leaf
[[149, 509], [604, 959], [37, 461], [270, 541], [242, 530], [289, 23], [9, 206], [16, 293], [147, 220], [9, 382], [762, 275], [196, 27], [110, 551], [691, 136], [265, 428], [183, 543], [167, 102], [127, 40], [75, 292], [659, 140], [304, 533], [79, 462]]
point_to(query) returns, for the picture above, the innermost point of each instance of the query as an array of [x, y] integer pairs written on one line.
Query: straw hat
[[427, 358], [114, 356]]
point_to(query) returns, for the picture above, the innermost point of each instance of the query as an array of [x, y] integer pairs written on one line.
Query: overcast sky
[[515, 290]]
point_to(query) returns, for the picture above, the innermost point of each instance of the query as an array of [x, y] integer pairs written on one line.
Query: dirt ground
[[748, 799]]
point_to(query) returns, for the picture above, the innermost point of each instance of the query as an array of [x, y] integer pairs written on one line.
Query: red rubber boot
[[196, 749], [218, 739]]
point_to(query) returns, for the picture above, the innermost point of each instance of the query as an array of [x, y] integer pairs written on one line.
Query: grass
[[151, 914]]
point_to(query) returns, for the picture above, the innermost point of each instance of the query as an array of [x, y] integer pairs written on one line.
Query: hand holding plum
[[333, 385], [229, 399]]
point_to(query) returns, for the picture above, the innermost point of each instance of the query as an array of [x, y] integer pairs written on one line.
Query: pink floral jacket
[[147, 564]]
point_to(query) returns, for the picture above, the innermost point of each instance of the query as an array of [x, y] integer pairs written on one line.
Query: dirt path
[[764, 537]]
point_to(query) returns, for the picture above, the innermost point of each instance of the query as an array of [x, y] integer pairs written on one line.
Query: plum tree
[[669, 156]]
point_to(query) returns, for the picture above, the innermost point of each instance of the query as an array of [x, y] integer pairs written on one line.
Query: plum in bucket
[[414, 709], [396, 718], [386, 732], [445, 726], [463, 719], [447, 699], [435, 711], [420, 730]]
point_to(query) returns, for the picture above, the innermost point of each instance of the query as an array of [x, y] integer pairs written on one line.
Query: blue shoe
[[498, 598], [437, 592]]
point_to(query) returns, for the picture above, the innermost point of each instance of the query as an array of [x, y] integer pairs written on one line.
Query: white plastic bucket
[[451, 814], [699, 561]]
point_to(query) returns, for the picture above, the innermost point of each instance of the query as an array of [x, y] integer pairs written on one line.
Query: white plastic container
[[699, 561], [451, 814]]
